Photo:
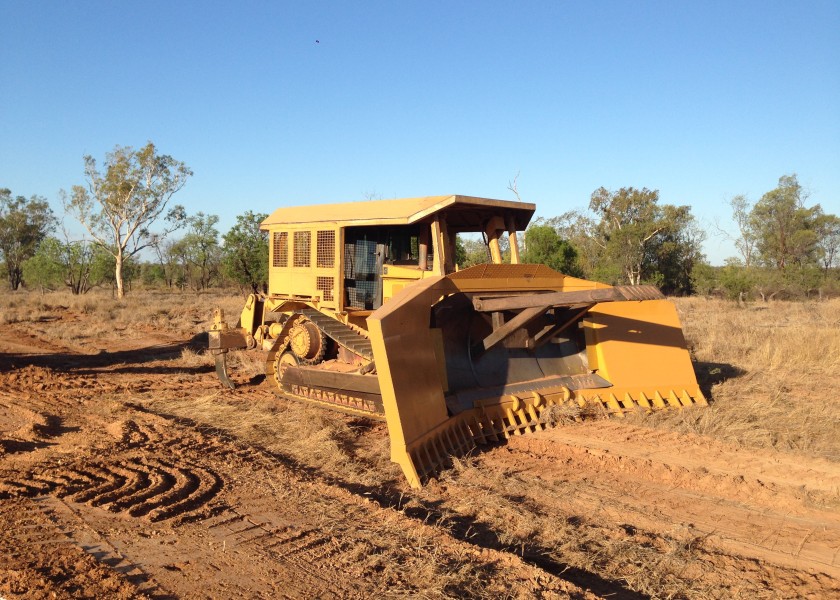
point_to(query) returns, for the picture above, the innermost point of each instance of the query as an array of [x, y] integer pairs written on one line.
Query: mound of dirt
[[30, 378]]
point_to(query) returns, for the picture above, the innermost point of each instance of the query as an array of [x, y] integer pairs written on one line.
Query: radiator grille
[[302, 251], [280, 251]]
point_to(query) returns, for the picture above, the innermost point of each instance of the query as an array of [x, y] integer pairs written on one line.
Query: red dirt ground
[[104, 496]]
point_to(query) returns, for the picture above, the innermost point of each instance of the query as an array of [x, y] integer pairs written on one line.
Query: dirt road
[[111, 487]]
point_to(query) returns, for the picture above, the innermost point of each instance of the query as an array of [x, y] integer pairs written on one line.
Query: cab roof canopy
[[462, 213]]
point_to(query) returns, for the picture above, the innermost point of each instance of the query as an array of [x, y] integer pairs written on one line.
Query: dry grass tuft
[[786, 337], [248, 364], [571, 412], [193, 358], [99, 312]]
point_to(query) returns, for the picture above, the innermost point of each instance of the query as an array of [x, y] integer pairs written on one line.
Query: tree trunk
[[118, 276], [16, 277]]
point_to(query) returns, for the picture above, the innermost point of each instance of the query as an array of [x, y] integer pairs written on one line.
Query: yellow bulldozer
[[368, 312]]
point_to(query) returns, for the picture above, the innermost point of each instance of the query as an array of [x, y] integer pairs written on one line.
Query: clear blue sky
[[274, 104]]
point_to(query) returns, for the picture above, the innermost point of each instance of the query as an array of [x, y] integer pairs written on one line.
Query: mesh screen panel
[[326, 285], [280, 251], [363, 294], [325, 249], [302, 249]]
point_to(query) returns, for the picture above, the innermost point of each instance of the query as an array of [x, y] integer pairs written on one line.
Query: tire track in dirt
[[704, 457], [302, 549], [41, 556], [281, 546], [140, 487], [210, 441], [154, 490], [256, 526], [291, 530], [96, 544]]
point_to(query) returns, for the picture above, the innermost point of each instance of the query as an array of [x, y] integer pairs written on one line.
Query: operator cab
[[365, 252]]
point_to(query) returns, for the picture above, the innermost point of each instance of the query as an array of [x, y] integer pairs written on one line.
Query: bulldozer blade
[[221, 370], [441, 398]]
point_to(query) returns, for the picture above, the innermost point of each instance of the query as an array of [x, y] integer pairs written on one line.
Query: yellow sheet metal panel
[[640, 345], [407, 367], [397, 277], [518, 278], [401, 211]]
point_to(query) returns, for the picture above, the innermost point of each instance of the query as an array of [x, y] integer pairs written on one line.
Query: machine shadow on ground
[[710, 374], [121, 361]]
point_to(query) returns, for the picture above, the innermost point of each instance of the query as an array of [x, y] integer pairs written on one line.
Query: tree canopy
[[199, 250], [827, 228], [118, 206], [780, 231], [544, 245], [23, 224], [787, 248], [245, 251], [635, 233], [629, 237], [77, 265], [784, 228]]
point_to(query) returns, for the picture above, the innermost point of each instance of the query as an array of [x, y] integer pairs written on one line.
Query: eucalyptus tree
[[118, 205], [828, 243], [785, 229], [645, 240], [199, 250]]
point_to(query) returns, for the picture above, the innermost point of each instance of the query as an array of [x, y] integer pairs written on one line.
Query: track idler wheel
[[286, 359], [307, 342]]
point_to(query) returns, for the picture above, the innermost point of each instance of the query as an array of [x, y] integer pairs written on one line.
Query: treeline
[[787, 248], [198, 260], [117, 207]]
